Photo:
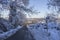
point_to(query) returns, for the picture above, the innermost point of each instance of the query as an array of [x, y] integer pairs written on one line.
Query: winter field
[[14, 14], [38, 31]]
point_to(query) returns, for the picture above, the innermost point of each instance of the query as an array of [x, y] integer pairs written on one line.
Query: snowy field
[[41, 32]]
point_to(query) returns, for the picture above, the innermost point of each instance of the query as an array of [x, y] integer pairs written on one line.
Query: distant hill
[[38, 20], [34, 20]]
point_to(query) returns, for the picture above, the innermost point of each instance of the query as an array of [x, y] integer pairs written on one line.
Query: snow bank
[[9, 33], [53, 34]]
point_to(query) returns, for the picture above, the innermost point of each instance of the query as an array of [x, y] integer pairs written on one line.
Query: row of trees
[[17, 10]]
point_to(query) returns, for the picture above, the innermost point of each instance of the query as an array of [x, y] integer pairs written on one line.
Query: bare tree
[[17, 10], [55, 4]]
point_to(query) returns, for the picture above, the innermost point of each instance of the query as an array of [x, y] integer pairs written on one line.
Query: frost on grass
[[46, 31], [40, 33]]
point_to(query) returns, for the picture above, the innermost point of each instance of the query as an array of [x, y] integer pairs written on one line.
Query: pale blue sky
[[39, 5]]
